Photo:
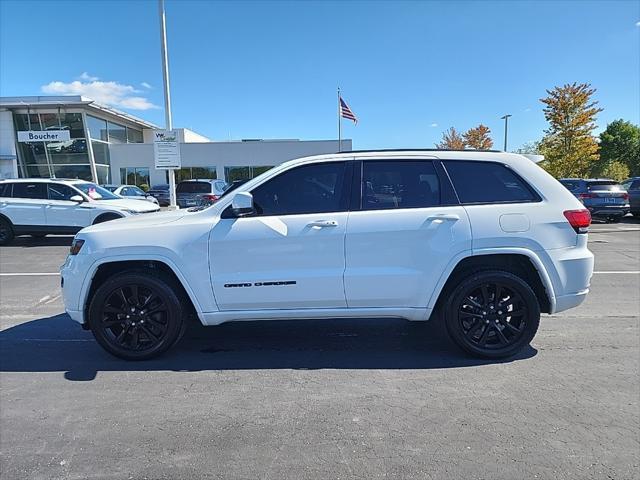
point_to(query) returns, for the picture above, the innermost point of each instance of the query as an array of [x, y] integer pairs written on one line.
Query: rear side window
[[30, 190], [5, 189], [570, 185], [193, 187], [58, 191], [488, 182], [399, 184]]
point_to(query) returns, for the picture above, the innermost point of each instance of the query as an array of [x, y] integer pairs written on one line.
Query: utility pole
[[506, 127], [167, 98]]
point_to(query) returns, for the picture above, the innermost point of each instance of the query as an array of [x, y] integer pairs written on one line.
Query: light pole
[[167, 97], [506, 127]]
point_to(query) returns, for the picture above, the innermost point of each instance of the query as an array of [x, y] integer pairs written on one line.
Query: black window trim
[[536, 195], [344, 197], [10, 184], [46, 190]]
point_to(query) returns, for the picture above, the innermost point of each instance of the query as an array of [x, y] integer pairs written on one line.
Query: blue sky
[[262, 69]]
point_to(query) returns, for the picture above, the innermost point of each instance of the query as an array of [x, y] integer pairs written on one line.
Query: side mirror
[[77, 199], [242, 204]]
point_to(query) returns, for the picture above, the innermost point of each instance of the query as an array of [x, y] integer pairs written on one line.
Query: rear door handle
[[322, 223], [444, 216]]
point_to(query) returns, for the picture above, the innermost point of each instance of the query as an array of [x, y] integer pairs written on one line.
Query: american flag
[[345, 111]]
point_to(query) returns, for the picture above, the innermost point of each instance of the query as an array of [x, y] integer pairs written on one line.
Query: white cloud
[[89, 78], [434, 124], [110, 93], [527, 109], [146, 85], [637, 24]]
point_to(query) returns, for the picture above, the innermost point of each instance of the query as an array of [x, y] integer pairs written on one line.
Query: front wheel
[[6, 232], [492, 314], [137, 315]]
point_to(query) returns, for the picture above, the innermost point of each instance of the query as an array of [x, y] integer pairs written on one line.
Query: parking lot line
[[617, 271], [29, 274]]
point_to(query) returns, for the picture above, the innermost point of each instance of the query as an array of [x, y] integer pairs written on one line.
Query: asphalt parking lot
[[323, 399]]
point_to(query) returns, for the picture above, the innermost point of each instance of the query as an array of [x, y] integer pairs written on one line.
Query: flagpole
[[339, 124]]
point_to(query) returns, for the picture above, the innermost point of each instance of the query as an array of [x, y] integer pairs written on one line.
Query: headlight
[[131, 212], [76, 245]]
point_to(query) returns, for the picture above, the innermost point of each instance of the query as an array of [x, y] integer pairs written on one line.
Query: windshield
[[193, 187], [111, 188], [95, 192], [163, 186], [604, 185]]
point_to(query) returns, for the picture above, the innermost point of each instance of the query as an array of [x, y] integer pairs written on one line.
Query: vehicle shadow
[[48, 241], [57, 343]]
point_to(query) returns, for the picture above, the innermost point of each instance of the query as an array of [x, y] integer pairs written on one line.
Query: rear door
[[402, 233], [27, 204]]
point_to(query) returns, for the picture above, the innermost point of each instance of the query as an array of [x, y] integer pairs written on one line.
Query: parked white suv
[[486, 241], [38, 206]]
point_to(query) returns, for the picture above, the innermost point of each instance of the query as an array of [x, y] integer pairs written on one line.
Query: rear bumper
[[608, 211]]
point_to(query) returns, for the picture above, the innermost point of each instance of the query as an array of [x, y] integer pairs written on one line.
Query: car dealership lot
[[335, 399]]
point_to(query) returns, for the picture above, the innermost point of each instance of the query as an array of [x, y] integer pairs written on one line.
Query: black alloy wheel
[[137, 315], [6, 232], [493, 314]]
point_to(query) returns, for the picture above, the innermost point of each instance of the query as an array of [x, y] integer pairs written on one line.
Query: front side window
[[30, 190], [399, 184], [95, 192], [488, 182], [57, 191], [317, 188]]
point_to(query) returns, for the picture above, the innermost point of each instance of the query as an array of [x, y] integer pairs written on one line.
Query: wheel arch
[[7, 219], [521, 262], [108, 267]]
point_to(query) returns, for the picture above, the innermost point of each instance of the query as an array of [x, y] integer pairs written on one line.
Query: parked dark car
[[605, 198], [161, 193], [632, 186], [193, 193]]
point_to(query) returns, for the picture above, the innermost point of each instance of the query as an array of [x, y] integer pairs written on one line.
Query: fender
[[86, 283], [535, 260]]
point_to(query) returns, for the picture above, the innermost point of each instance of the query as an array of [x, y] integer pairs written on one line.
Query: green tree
[[451, 140], [478, 138], [532, 148], [569, 147], [615, 170], [619, 143]]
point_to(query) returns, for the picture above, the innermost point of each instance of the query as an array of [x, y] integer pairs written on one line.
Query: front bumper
[[72, 278]]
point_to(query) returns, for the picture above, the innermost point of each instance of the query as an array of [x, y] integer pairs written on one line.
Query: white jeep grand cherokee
[[485, 241], [39, 206]]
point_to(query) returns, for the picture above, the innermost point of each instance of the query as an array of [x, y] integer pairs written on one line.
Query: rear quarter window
[[570, 185], [5, 190], [488, 182]]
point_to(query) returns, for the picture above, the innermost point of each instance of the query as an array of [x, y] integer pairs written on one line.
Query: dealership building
[[75, 137]]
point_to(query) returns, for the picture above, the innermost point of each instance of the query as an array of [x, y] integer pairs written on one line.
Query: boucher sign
[[44, 136], [166, 149]]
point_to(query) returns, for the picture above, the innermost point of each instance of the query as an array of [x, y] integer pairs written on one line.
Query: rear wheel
[[137, 315], [492, 314], [6, 232]]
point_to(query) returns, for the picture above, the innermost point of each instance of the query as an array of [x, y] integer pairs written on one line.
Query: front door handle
[[322, 223], [444, 216]]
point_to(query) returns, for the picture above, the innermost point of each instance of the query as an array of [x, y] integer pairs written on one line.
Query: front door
[[62, 213], [290, 253], [402, 236]]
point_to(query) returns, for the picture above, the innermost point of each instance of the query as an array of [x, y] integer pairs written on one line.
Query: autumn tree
[[569, 147], [478, 138], [619, 148], [451, 140]]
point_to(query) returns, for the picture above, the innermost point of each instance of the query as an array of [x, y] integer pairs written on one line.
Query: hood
[[142, 221], [134, 204]]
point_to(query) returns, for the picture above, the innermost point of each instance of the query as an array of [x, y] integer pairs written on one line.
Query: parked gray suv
[[605, 198], [192, 193], [632, 186]]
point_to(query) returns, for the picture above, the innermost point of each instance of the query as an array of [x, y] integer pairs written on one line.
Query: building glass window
[[133, 135], [38, 171], [71, 151], [82, 172], [104, 175], [243, 173], [26, 122], [32, 153], [117, 133], [101, 152], [97, 128], [63, 121], [135, 176], [191, 173]]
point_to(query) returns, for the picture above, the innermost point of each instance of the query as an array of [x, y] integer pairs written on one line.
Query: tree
[[478, 138], [615, 170], [532, 148], [619, 143], [569, 147], [451, 140]]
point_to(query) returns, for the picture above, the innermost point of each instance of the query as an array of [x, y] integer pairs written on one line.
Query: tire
[[481, 325], [105, 217], [120, 323], [6, 232]]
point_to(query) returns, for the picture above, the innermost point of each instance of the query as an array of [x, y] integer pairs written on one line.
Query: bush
[[144, 187]]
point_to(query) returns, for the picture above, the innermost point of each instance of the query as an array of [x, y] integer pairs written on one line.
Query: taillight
[[578, 219], [625, 196], [210, 197], [76, 246]]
